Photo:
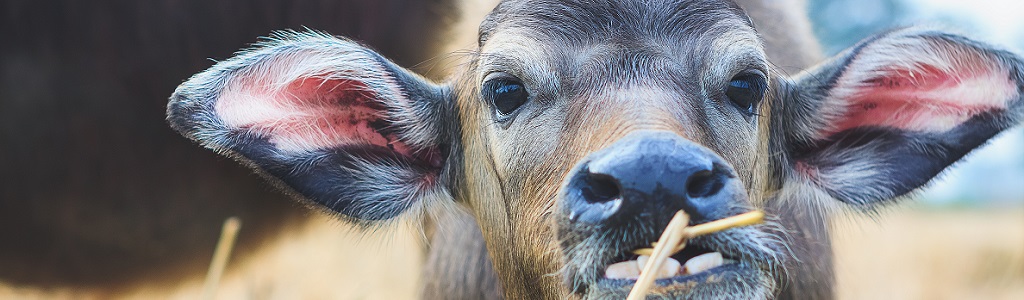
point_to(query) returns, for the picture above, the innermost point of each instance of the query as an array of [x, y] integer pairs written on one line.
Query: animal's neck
[[810, 270]]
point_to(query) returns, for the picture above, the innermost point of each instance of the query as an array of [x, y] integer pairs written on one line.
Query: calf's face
[[594, 123], [577, 129]]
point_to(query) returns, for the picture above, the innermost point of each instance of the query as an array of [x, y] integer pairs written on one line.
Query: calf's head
[[577, 129]]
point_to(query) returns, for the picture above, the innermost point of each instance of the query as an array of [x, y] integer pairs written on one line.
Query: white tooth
[[623, 270], [668, 269], [703, 262]]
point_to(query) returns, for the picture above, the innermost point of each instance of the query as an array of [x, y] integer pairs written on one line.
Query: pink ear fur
[[308, 114], [917, 84]]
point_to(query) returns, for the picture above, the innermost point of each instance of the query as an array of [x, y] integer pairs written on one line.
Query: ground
[[906, 253], [916, 253]]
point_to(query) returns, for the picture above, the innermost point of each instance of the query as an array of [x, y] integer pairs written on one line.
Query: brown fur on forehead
[[580, 19]]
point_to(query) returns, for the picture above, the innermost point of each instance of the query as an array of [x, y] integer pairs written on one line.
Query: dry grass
[[921, 254], [320, 260], [905, 254]]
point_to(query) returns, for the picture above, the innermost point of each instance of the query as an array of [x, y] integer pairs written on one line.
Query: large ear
[[886, 116], [326, 119]]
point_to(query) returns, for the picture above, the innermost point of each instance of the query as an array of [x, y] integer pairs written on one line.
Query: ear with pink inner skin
[[886, 116], [326, 119]]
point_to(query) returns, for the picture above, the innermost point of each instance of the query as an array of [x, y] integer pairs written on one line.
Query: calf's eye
[[506, 94], [746, 91]]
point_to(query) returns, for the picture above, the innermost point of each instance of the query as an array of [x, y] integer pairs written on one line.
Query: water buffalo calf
[[577, 128]]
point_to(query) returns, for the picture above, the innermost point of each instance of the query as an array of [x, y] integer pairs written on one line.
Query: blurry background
[[96, 192], [100, 199]]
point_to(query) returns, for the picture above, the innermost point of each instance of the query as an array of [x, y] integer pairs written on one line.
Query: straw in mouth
[[673, 240]]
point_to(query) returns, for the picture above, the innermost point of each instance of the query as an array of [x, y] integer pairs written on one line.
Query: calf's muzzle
[[651, 174]]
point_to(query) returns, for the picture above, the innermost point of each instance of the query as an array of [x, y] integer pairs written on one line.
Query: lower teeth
[[631, 269], [703, 262]]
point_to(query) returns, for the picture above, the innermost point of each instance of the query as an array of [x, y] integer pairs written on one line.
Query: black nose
[[652, 174]]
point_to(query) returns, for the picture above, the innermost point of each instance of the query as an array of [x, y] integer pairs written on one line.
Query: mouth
[[695, 272], [687, 263], [737, 263]]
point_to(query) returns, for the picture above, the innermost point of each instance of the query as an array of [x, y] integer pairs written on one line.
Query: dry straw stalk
[[674, 240]]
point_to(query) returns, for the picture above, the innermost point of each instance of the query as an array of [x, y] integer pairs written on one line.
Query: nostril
[[599, 188], [705, 183]]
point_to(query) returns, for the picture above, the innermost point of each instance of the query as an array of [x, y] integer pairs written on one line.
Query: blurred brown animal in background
[[577, 128], [96, 190]]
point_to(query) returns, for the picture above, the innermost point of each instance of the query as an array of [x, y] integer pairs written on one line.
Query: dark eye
[[746, 91], [505, 94]]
